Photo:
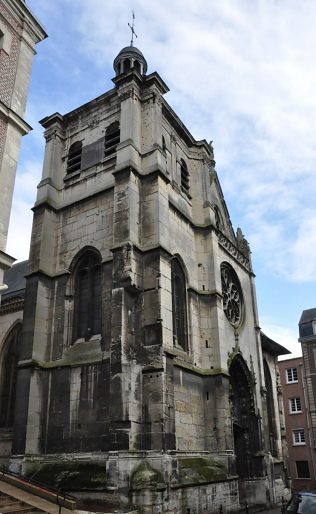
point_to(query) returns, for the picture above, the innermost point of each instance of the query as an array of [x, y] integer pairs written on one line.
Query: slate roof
[[14, 278], [272, 347], [307, 316]]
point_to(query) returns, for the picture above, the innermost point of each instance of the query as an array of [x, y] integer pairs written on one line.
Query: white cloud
[[21, 215], [20, 230], [283, 336]]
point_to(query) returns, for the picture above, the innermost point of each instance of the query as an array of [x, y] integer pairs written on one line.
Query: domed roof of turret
[[132, 57]]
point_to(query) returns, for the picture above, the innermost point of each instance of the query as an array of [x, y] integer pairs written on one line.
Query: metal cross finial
[[132, 29]]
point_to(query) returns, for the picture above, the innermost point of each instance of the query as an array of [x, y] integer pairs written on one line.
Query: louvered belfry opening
[[112, 139], [74, 157], [185, 178]]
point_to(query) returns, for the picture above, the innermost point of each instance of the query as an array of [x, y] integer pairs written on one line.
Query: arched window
[[179, 305], [74, 157], [8, 370], [137, 66], [126, 65], [112, 138], [270, 409], [164, 147], [246, 428], [218, 218], [87, 306], [185, 183]]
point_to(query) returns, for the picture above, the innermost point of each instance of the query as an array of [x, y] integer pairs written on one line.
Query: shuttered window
[[185, 182], [112, 139], [74, 157]]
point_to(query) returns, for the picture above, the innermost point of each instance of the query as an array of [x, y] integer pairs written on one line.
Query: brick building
[[142, 372], [299, 435], [19, 33]]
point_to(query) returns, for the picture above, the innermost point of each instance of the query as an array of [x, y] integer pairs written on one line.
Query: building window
[[8, 374], [179, 304], [291, 375], [126, 65], [112, 139], [87, 301], [295, 405], [164, 147], [5, 38], [270, 409], [74, 157], [185, 183], [218, 218], [302, 469], [298, 436]]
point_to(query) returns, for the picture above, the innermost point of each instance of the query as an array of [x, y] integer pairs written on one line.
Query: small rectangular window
[[295, 405], [5, 38], [302, 469], [298, 436], [291, 375]]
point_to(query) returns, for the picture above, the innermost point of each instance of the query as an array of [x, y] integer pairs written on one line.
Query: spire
[[130, 57], [132, 28]]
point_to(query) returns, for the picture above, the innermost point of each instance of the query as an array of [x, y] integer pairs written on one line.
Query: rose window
[[232, 295]]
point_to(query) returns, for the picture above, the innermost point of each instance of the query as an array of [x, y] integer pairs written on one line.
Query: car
[[301, 503]]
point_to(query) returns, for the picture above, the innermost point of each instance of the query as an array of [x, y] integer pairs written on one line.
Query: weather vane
[[132, 29]]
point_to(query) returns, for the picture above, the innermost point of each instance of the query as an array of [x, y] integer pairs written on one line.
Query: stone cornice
[[13, 118], [22, 13], [14, 304], [6, 260]]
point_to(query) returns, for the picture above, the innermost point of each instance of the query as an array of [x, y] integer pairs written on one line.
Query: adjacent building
[[20, 31], [299, 434], [142, 373]]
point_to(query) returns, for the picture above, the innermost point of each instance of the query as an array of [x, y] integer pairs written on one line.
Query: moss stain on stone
[[198, 470], [70, 476], [144, 477]]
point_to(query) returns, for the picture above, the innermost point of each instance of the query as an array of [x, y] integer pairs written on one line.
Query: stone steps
[[9, 504]]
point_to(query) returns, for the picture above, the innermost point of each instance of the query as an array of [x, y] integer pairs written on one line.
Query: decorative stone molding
[[129, 93], [234, 252], [12, 305]]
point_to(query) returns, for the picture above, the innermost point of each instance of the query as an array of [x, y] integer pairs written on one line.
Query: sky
[[241, 73]]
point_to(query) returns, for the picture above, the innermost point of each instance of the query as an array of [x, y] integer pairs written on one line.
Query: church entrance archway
[[245, 421], [8, 375]]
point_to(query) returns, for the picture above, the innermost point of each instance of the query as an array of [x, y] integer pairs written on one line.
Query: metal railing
[[62, 499]]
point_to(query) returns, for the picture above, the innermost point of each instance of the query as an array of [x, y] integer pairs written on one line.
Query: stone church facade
[[142, 373]]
